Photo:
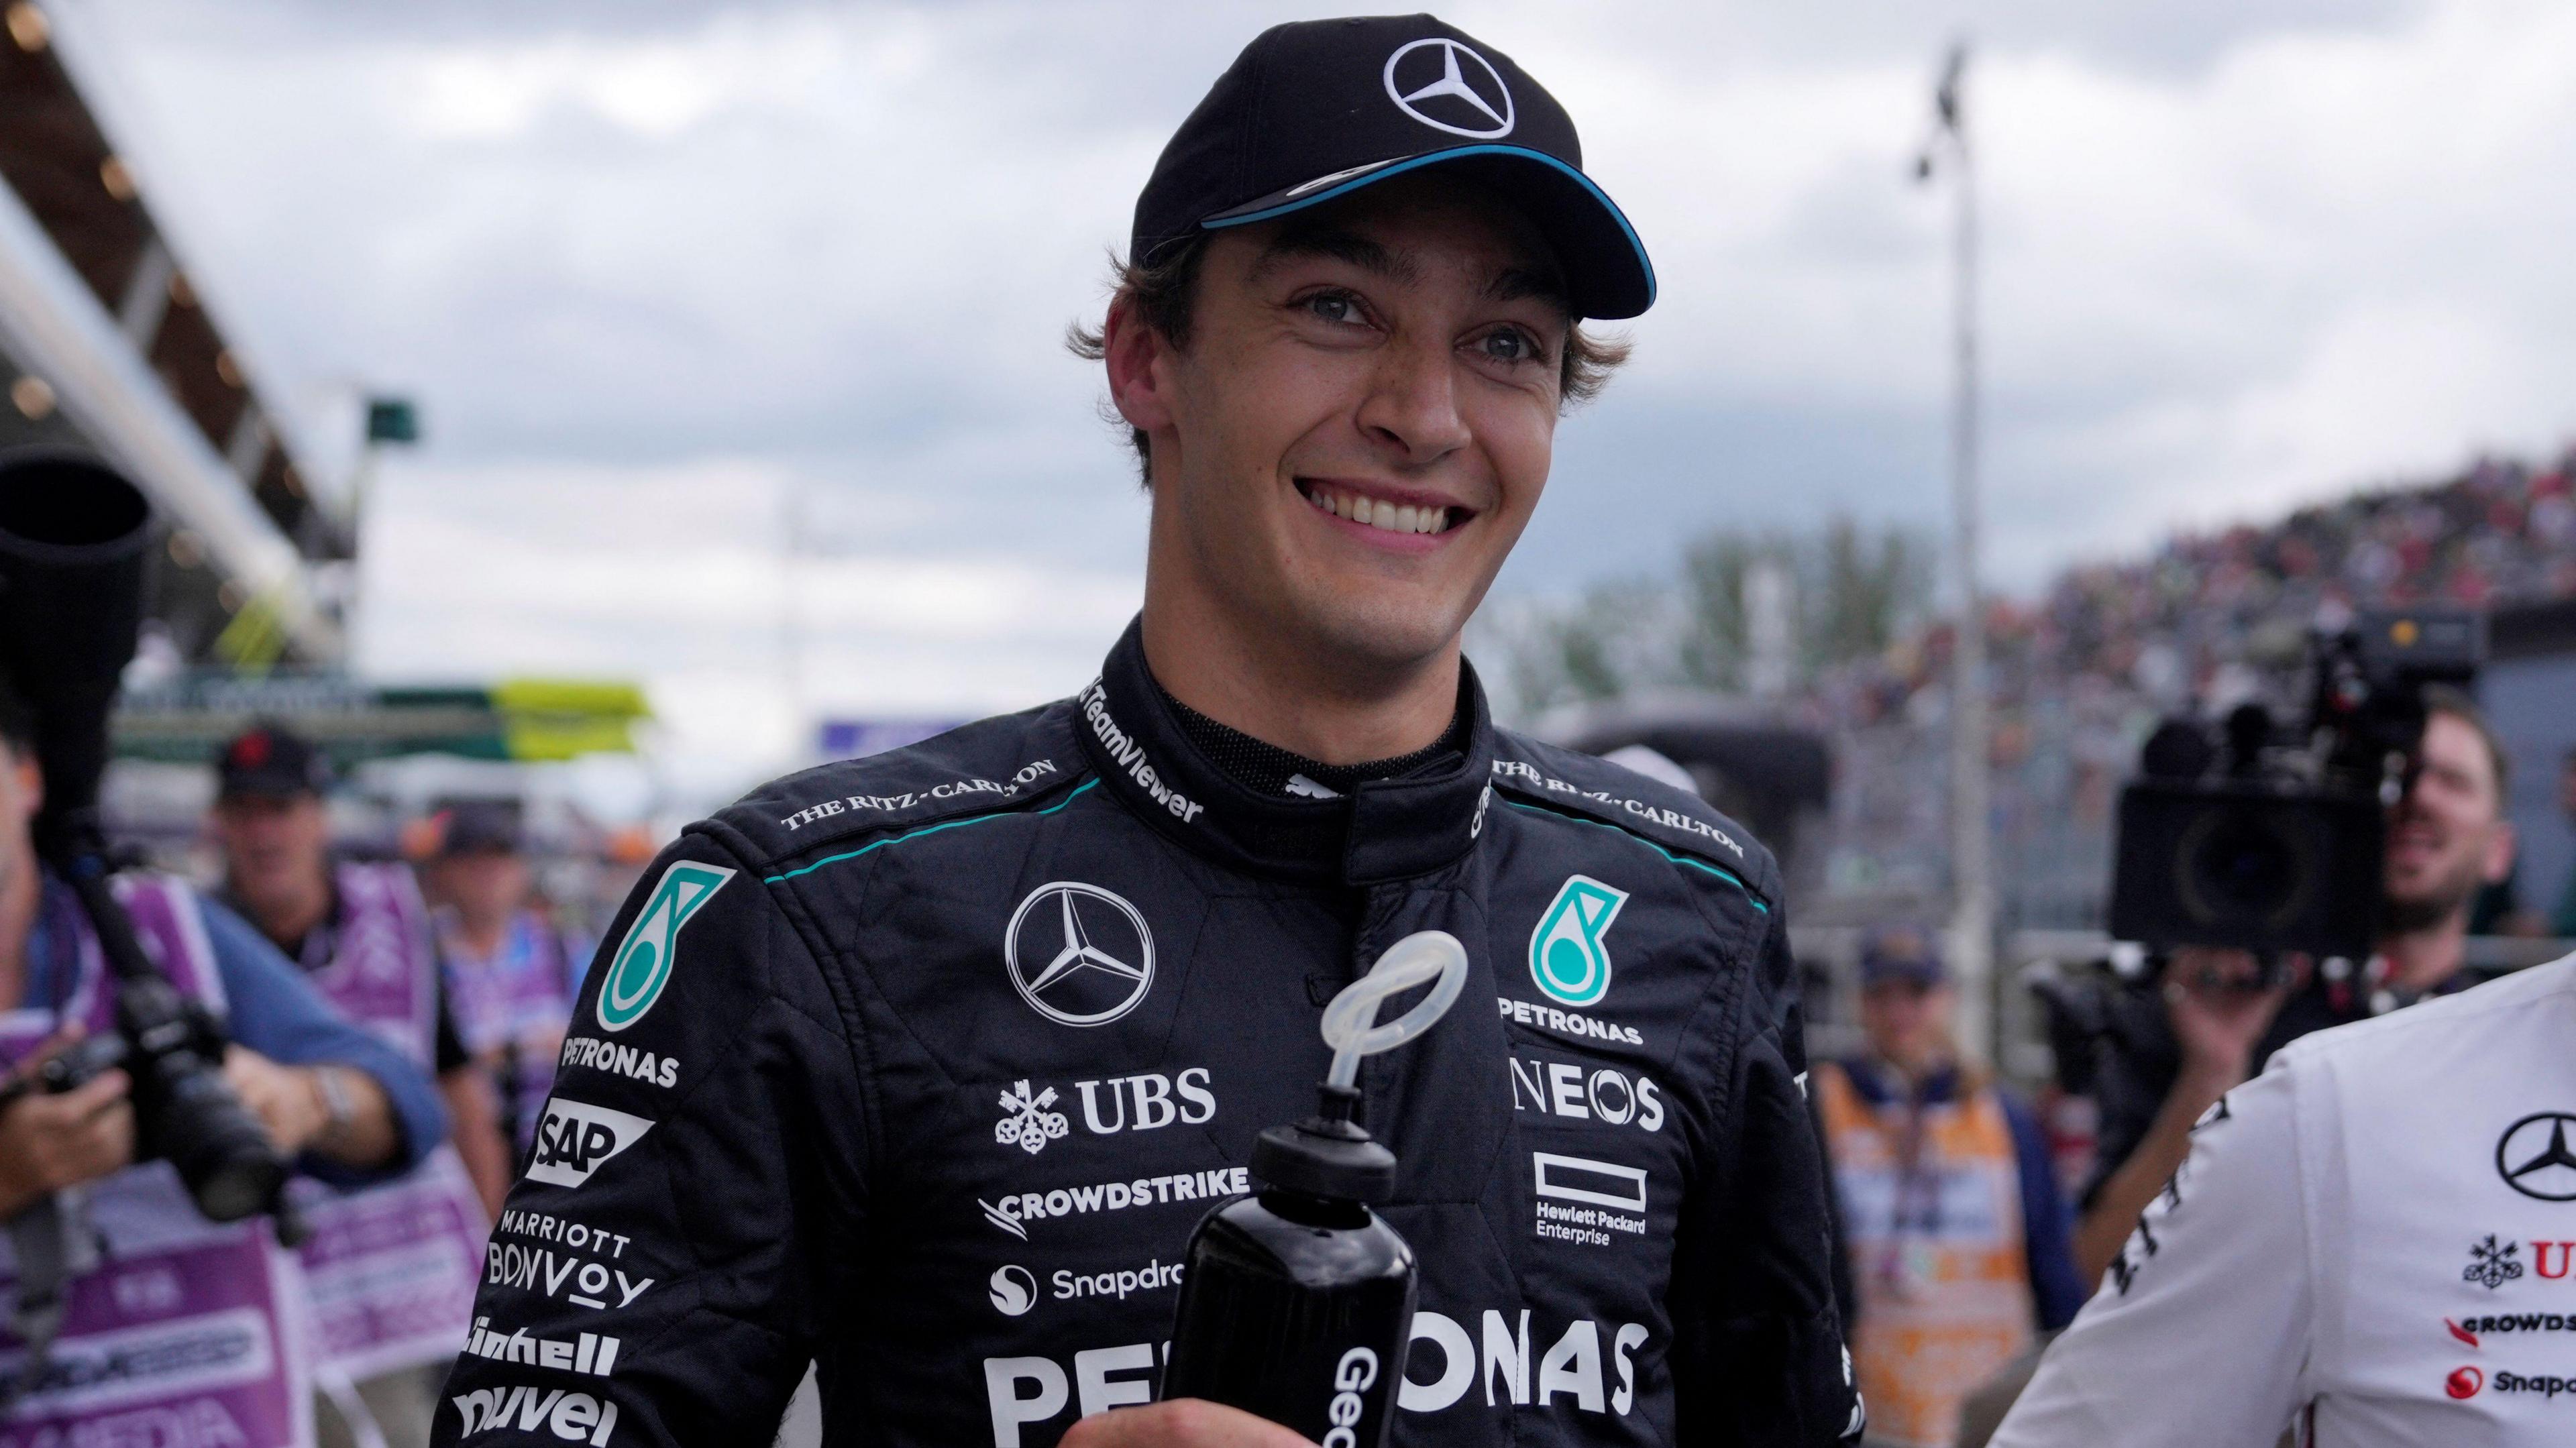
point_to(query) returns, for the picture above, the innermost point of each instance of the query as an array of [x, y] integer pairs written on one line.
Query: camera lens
[[238, 1188], [2240, 866]]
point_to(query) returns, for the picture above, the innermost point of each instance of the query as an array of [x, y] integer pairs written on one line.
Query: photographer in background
[[1949, 1204], [2447, 839], [393, 1267], [2360, 1241], [198, 1332]]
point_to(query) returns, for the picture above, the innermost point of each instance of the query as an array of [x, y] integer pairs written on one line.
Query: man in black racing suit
[[922, 1067]]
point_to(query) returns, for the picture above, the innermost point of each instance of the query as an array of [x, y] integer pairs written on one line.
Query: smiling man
[[923, 1066]]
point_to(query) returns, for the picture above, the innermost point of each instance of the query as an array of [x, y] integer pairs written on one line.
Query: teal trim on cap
[[1416, 163]]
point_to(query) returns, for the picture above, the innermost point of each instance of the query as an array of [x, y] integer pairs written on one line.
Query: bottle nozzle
[[1350, 1021], [1329, 1154]]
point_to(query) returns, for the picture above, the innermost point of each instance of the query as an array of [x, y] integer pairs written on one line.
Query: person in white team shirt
[[2371, 1242]]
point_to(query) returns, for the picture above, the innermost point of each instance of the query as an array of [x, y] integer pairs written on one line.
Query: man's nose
[[1412, 405]]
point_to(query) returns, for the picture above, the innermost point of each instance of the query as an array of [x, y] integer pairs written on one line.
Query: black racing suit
[[923, 1066]]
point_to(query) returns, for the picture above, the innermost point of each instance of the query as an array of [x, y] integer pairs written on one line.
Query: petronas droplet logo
[[1567, 957], [642, 965]]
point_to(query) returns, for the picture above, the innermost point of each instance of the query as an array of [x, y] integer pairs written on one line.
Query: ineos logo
[[1079, 955], [1427, 73], [2534, 1159]]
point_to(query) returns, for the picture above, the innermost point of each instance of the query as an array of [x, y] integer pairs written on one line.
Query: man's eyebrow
[[1336, 245], [1513, 283]]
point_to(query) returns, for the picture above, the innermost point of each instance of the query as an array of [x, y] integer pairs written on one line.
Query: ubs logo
[[2533, 1157], [1079, 955]]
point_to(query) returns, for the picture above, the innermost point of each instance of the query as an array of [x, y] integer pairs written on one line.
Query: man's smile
[[1409, 519]]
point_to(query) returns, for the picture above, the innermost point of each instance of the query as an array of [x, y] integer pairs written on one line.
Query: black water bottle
[[1297, 1301]]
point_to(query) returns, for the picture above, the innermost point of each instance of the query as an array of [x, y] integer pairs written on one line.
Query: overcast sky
[[676, 284]]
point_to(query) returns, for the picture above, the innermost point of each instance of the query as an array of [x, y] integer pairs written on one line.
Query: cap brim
[[266, 787], [1607, 273]]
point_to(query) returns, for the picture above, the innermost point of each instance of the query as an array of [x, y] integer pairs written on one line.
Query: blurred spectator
[[511, 971], [127, 1361], [2562, 919], [1956, 1229], [393, 1266]]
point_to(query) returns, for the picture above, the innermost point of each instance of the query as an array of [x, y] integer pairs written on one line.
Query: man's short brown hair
[[1164, 296], [2444, 699]]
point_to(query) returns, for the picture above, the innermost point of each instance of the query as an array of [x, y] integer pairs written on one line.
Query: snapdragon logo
[[642, 964], [1567, 956]]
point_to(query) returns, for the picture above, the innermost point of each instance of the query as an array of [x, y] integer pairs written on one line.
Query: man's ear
[[1135, 353], [31, 779]]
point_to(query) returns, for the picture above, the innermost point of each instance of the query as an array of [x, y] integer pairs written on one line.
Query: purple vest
[[392, 1267], [187, 1331], [515, 1004]]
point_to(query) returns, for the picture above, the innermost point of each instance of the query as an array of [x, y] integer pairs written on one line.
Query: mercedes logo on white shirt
[[1431, 86], [1079, 955], [2534, 1159]]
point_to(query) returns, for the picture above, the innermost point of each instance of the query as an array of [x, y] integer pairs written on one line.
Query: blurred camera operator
[[2448, 839], [199, 1337], [393, 1266]]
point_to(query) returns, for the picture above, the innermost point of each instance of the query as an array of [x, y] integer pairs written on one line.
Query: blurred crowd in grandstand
[[2079, 675]]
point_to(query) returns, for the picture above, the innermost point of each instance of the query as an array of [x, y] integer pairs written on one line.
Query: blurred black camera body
[[2269, 836], [74, 538]]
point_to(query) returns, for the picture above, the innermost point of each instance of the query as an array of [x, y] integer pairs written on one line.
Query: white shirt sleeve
[[2200, 1334]]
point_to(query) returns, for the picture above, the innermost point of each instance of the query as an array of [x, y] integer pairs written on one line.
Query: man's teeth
[[1379, 513]]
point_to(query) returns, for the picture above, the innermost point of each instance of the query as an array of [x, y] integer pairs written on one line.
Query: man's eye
[[1509, 346], [1332, 308]]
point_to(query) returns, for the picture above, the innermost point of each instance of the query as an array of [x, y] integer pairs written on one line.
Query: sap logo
[[591, 1053], [572, 1417], [577, 1136], [1152, 1097], [1553, 1088], [542, 1269], [589, 1354]]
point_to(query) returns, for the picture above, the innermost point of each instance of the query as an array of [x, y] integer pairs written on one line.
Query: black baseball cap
[[478, 826], [1317, 109], [272, 761], [1904, 955]]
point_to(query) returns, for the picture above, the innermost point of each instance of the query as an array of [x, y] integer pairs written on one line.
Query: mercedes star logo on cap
[[1079, 954], [1426, 82], [2533, 1157]]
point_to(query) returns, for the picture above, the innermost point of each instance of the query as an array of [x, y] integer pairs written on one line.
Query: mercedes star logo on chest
[[2534, 1159], [1078, 954]]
